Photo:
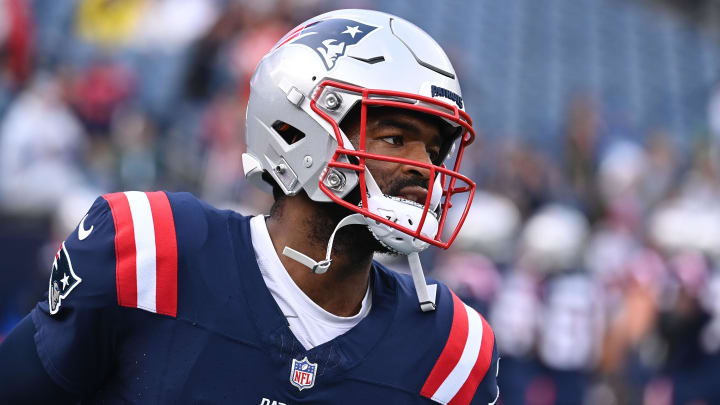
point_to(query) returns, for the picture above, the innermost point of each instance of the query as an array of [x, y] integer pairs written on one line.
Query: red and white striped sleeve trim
[[145, 251], [465, 359]]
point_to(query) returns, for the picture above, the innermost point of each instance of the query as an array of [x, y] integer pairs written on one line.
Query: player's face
[[405, 134]]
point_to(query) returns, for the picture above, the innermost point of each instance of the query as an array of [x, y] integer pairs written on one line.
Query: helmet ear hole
[[287, 132]]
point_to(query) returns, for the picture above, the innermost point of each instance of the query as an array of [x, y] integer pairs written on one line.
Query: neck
[[306, 227]]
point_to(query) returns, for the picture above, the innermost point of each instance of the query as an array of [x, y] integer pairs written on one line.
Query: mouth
[[415, 194]]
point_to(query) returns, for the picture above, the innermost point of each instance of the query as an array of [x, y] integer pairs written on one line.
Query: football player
[[356, 124]]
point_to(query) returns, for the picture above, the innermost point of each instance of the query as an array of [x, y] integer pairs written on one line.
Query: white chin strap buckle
[[321, 267]]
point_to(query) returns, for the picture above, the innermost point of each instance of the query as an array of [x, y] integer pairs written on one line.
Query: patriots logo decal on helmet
[[330, 38]]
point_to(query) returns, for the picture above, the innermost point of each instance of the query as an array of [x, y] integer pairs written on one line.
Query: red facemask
[[355, 160]]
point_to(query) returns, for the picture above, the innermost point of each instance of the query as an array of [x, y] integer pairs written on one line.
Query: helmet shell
[[365, 48]]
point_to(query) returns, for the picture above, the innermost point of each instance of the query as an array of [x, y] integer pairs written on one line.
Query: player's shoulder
[[128, 249], [465, 371], [163, 214], [171, 232], [452, 349], [407, 301], [173, 213]]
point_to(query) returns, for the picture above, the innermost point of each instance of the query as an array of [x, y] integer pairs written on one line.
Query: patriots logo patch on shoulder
[[62, 279], [330, 38]]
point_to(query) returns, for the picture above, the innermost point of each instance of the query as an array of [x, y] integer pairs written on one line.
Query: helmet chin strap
[[426, 294], [323, 265]]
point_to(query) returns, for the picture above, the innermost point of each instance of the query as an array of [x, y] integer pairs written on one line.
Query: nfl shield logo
[[302, 373]]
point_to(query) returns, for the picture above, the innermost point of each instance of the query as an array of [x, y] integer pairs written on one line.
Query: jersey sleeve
[[488, 390], [122, 254], [466, 370], [75, 326]]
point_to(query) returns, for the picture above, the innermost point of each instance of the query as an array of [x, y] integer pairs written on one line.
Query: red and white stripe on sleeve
[[465, 359], [145, 251]]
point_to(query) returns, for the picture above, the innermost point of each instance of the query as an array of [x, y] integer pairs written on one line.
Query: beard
[[354, 241]]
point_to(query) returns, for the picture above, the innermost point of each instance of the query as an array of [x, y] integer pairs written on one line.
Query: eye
[[393, 140]]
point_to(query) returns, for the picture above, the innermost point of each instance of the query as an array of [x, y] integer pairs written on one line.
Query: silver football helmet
[[307, 84]]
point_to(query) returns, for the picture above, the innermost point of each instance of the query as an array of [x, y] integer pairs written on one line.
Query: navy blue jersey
[[157, 298]]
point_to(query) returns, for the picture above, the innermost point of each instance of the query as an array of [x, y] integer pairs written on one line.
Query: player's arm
[[72, 333], [79, 328], [23, 379]]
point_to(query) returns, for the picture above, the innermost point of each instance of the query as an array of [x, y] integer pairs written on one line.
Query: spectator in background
[[41, 149], [16, 32], [108, 23], [239, 38], [523, 175], [581, 154], [98, 91]]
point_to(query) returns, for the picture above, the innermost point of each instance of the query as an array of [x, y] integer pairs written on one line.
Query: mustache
[[399, 184]]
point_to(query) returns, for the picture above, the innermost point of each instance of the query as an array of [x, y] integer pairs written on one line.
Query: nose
[[417, 152]]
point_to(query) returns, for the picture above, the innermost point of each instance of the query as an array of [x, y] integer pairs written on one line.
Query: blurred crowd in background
[[593, 244]]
